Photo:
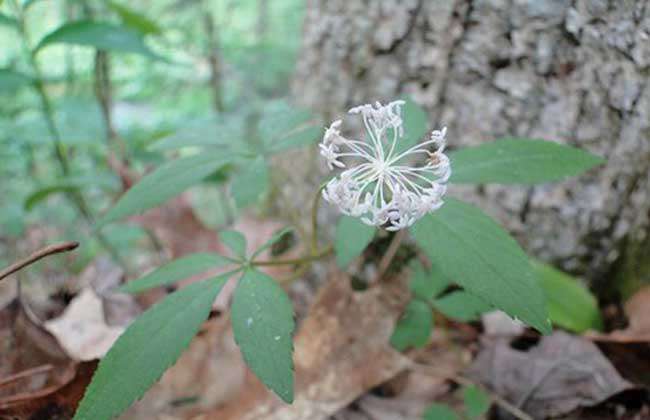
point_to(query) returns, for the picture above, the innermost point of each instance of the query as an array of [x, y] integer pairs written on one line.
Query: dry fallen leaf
[[37, 379], [637, 309], [341, 351], [82, 329], [498, 323], [628, 349], [563, 372], [25, 345], [209, 372], [103, 275], [407, 396], [57, 400], [178, 228]]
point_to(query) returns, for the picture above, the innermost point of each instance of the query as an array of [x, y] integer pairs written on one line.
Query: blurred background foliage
[[202, 70]]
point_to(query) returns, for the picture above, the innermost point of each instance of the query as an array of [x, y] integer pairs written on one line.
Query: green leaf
[[477, 402], [150, 345], [303, 136], [262, 321], [217, 132], [474, 251], [41, 194], [165, 182], [351, 238], [283, 127], [461, 306], [29, 3], [235, 241], [69, 184], [415, 125], [414, 327], [174, 271], [135, 20], [280, 119], [570, 304], [519, 161], [8, 21], [11, 80], [439, 412], [275, 238], [249, 184], [100, 35], [427, 284]]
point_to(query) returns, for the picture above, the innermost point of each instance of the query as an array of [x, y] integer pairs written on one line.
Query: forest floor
[[52, 337]]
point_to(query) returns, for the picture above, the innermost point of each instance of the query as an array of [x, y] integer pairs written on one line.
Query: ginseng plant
[[386, 179]]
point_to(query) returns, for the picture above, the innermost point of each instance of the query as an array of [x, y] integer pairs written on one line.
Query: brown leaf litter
[[37, 378], [560, 374], [341, 350], [637, 310]]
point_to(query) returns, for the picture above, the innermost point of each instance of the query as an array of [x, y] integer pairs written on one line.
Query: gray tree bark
[[572, 71]]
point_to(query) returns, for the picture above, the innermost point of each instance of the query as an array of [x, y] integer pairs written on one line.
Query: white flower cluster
[[385, 187]]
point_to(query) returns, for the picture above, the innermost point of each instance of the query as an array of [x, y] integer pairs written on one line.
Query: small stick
[[41, 253], [25, 374], [498, 400], [12, 400]]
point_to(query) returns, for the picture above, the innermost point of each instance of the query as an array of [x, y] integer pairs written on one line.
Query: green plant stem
[[69, 13], [59, 148], [314, 219], [214, 59], [296, 261], [315, 253], [46, 106]]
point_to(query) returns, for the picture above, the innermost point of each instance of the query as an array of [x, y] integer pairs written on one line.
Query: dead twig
[[42, 253], [22, 397], [25, 374], [462, 380]]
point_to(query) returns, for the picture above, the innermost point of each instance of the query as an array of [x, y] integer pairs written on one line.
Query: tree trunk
[[572, 71]]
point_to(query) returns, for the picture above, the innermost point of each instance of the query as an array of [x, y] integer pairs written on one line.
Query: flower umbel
[[385, 187]]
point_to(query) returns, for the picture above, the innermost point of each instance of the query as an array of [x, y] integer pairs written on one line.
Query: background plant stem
[[314, 219], [59, 149], [315, 253]]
